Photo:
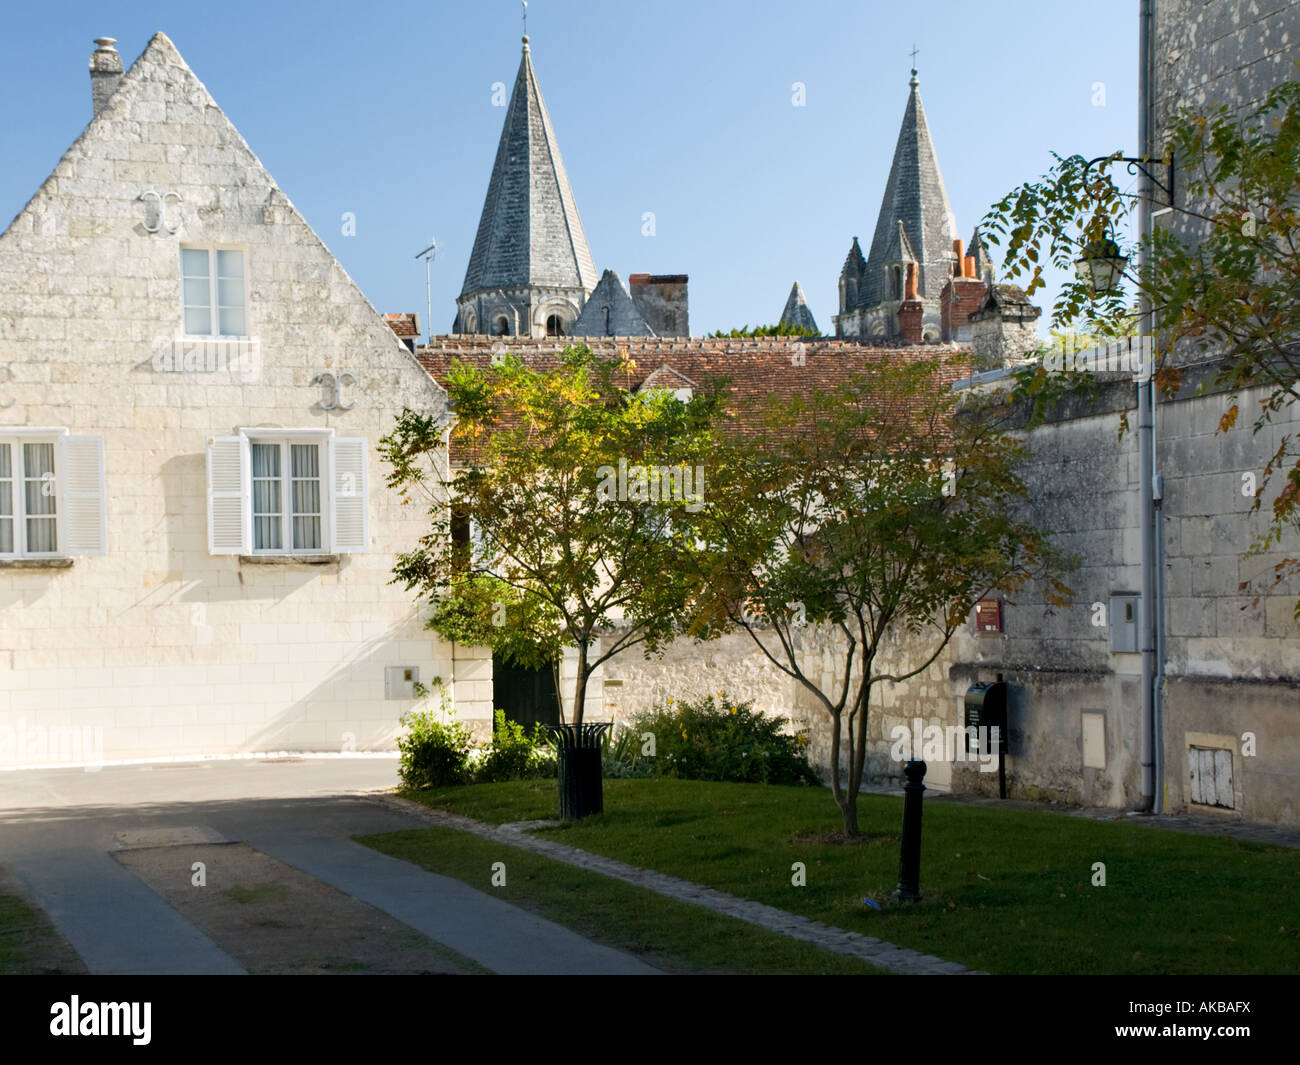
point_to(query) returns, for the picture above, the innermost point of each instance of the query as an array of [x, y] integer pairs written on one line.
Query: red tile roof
[[758, 366], [404, 325]]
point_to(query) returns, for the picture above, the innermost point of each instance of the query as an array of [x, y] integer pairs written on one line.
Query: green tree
[[876, 511], [480, 610], [781, 329], [1224, 278], [582, 495]]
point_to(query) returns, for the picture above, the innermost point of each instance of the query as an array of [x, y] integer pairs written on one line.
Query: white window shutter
[[348, 472], [82, 511], [230, 504]]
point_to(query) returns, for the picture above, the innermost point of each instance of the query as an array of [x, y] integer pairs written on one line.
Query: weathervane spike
[[525, 3]]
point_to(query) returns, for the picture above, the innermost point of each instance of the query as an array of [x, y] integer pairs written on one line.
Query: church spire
[[914, 212], [797, 311], [529, 235]]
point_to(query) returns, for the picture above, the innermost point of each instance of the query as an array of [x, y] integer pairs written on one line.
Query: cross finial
[[915, 52]]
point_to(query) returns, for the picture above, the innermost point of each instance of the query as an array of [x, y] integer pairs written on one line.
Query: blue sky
[[680, 108]]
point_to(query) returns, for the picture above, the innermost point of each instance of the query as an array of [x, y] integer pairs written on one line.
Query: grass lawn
[[29, 943], [670, 935], [1006, 891]]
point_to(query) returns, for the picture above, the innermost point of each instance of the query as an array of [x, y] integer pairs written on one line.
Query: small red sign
[[988, 615]]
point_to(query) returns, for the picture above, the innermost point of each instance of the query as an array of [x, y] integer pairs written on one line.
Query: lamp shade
[[1101, 266]]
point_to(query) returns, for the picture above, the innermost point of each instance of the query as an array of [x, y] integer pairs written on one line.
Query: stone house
[[195, 536]]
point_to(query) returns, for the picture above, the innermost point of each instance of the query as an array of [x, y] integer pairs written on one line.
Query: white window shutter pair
[[230, 503], [81, 503]]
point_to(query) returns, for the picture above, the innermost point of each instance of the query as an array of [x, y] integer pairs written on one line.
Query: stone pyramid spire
[[530, 262], [915, 197], [797, 311], [978, 250], [854, 263], [610, 311]]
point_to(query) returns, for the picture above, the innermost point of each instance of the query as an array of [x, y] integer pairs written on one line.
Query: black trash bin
[[578, 758]]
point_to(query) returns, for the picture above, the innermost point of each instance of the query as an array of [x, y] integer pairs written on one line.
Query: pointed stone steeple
[[978, 250], [611, 312], [916, 204], [850, 280], [530, 265], [797, 311]]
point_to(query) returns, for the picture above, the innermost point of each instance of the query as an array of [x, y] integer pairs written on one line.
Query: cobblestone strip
[[875, 951]]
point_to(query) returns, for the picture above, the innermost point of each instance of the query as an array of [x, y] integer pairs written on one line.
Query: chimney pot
[[968, 266], [105, 72]]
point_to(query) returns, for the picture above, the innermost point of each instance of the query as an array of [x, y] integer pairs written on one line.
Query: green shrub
[[435, 749], [513, 754], [719, 740], [620, 754]]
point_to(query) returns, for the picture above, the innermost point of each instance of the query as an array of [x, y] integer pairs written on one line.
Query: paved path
[[495, 934], [114, 920], [876, 951], [58, 829]]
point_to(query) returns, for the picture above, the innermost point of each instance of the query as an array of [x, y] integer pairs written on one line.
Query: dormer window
[[554, 326], [212, 280], [502, 328], [897, 283]]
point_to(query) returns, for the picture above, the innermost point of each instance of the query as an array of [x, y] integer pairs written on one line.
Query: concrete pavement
[[58, 829]]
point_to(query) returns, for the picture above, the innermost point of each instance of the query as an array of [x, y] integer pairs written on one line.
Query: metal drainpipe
[[1146, 433], [1158, 704]]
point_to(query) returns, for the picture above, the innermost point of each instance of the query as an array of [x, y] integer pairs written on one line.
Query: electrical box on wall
[[400, 681], [1123, 615]]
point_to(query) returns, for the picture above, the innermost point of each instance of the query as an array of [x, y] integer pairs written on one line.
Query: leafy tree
[[874, 511], [1224, 278], [480, 610], [781, 329], [581, 493]]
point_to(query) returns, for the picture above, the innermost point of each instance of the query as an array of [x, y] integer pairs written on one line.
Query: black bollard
[[909, 865]]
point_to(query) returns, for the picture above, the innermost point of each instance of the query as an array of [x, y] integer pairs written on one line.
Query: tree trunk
[[836, 792], [580, 685], [559, 690], [849, 810], [857, 756]]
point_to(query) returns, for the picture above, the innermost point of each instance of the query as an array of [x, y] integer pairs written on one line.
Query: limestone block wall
[[694, 670], [1232, 664], [735, 666], [1222, 51], [159, 647]]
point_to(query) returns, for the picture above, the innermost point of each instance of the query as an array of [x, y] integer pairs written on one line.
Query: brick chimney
[[911, 312], [105, 72], [959, 298]]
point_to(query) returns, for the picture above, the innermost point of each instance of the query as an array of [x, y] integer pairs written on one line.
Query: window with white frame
[[212, 280], [286, 495], [52, 499], [286, 492]]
